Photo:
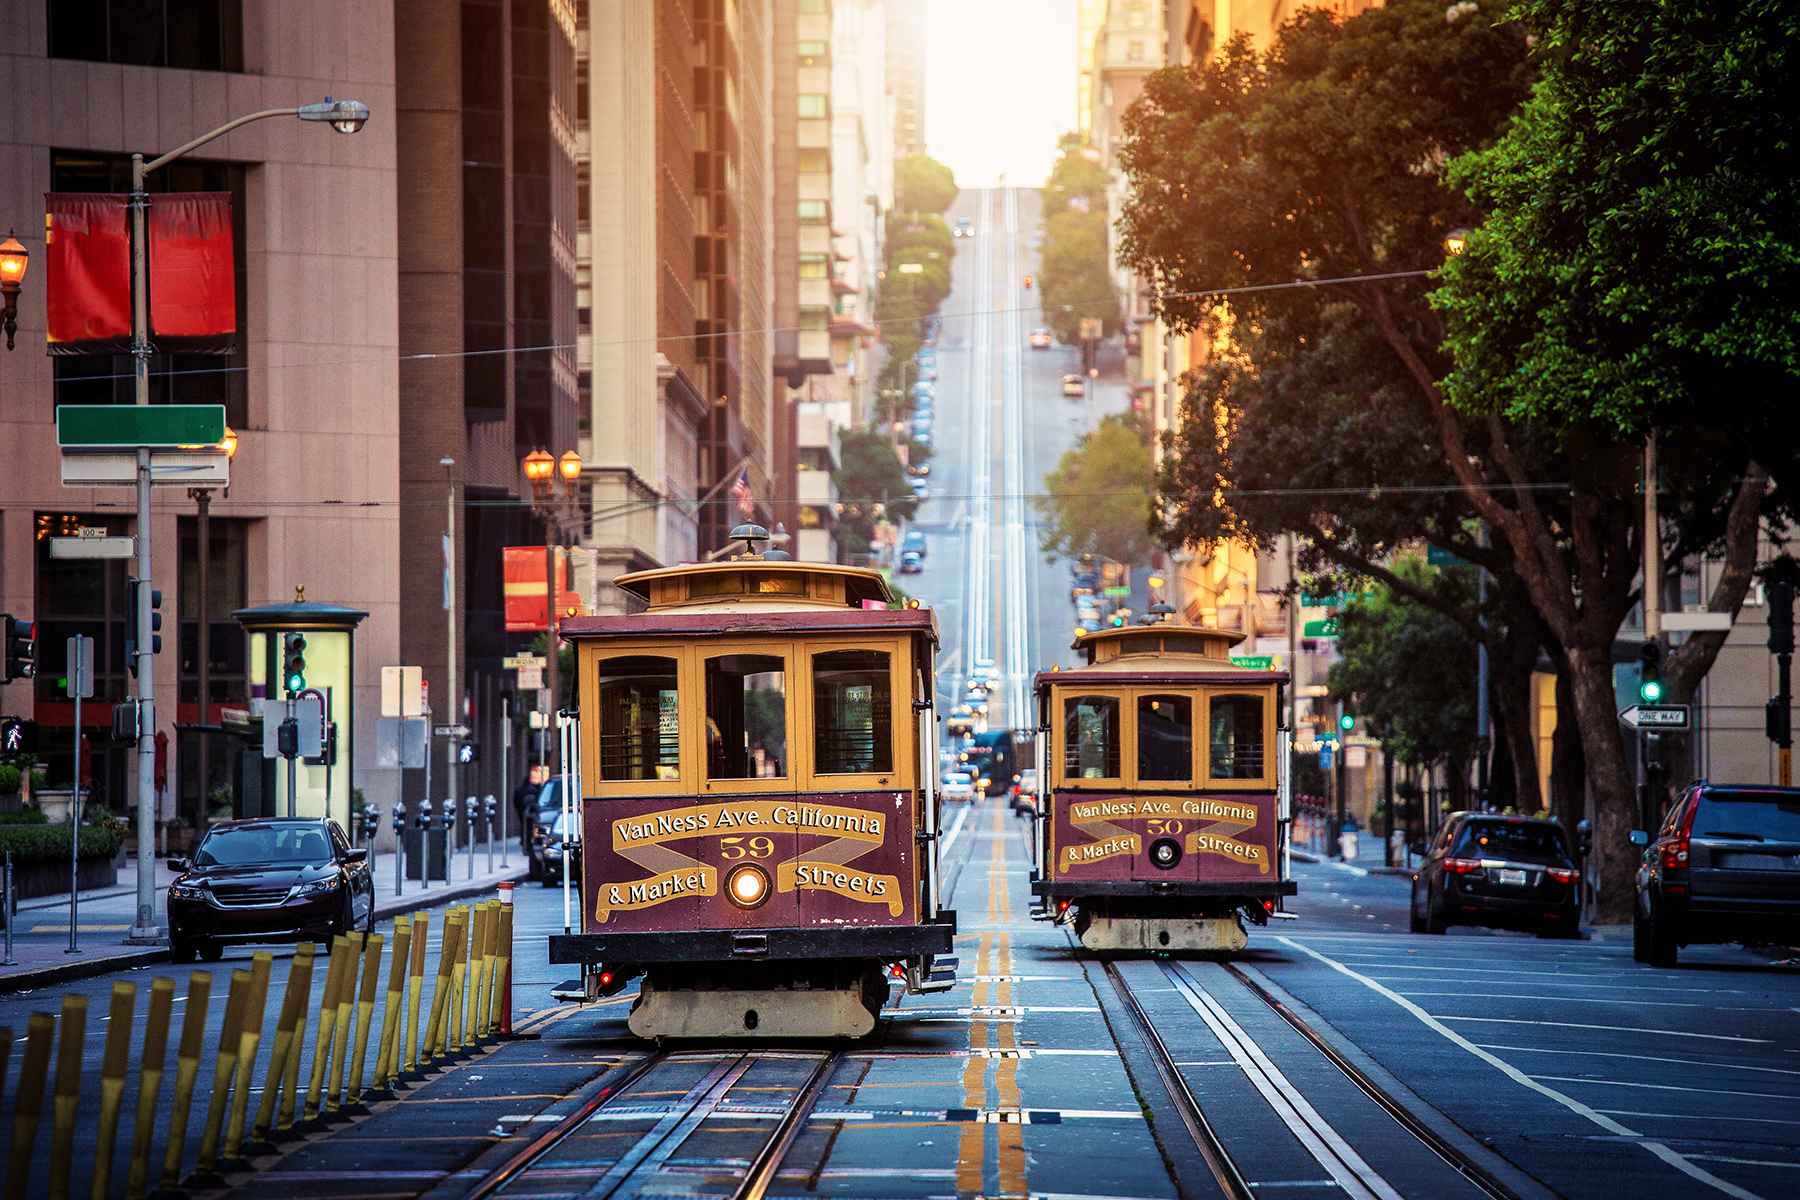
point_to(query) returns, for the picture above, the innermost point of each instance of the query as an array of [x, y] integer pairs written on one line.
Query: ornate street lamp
[[14, 258], [1456, 241], [555, 484]]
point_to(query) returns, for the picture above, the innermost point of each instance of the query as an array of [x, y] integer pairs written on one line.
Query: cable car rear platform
[[1056, 889]]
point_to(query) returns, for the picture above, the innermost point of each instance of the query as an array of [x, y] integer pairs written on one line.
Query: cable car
[[1165, 820], [757, 764]]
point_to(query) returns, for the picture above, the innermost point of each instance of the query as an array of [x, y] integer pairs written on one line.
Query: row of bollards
[[469, 1002]]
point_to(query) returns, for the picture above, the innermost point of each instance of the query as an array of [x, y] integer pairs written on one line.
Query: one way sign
[[1656, 716]]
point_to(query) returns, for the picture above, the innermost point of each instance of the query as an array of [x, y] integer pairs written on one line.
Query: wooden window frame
[[589, 661], [1266, 782], [1197, 705], [789, 652], [1127, 743], [903, 743]]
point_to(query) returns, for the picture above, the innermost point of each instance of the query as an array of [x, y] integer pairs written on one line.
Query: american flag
[[740, 491]]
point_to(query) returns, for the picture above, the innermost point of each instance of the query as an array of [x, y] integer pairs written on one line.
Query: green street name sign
[[1255, 662], [1327, 628], [1333, 599], [128, 426], [1437, 556], [1116, 593]]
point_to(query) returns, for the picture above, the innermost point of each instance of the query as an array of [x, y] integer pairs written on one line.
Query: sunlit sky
[[1000, 86]]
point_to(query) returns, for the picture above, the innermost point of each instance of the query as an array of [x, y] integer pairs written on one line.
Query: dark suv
[[1724, 867], [1503, 872], [268, 881]]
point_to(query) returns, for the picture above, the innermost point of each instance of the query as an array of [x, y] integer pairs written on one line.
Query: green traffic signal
[[1650, 691], [1347, 722], [294, 663]]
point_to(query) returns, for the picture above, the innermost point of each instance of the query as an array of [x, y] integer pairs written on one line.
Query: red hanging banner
[[193, 277], [87, 280], [522, 571]]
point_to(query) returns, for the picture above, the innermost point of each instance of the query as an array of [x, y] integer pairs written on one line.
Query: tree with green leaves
[[1096, 500], [1325, 160], [1075, 278], [871, 483], [922, 184], [1077, 180]]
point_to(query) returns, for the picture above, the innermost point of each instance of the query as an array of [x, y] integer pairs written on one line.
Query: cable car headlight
[[1165, 853], [747, 885]]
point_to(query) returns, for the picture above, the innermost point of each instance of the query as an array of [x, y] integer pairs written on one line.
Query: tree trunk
[[1611, 802], [1568, 770]]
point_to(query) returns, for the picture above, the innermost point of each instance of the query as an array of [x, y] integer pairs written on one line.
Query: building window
[[812, 210], [811, 104], [1134, 52], [815, 6], [196, 35], [815, 266], [814, 162], [581, 90], [810, 49], [174, 378]]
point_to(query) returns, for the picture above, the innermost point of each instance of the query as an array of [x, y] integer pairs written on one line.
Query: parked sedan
[[556, 847], [1040, 339], [1074, 385], [1503, 872], [911, 562], [957, 785], [1724, 867], [268, 881]]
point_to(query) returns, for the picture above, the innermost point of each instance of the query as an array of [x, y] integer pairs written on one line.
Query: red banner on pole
[[87, 282], [522, 581], [193, 277]]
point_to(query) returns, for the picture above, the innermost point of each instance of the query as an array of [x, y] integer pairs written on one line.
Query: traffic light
[[1780, 594], [293, 663], [20, 645], [1650, 684], [135, 588], [1347, 721]]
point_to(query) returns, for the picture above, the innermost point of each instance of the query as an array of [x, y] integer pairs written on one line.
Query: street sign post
[[531, 679], [521, 662], [1255, 662], [1325, 628], [93, 547], [1656, 716], [402, 692], [450, 731]]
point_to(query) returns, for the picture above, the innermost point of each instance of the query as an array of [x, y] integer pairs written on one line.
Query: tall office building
[[906, 73]]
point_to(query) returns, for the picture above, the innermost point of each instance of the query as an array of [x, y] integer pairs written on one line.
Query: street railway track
[[1354, 1177], [552, 1163]]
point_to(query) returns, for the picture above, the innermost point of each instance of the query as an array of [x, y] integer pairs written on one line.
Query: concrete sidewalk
[[104, 917]]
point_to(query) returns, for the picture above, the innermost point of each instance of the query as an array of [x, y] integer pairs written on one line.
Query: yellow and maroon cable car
[[757, 811], [1165, 772]]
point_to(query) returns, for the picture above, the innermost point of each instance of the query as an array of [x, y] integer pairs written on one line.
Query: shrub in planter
[[25, 816], [11, 778], [50, 843]]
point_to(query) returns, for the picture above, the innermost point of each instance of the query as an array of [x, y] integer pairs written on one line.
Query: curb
[[24, 981]]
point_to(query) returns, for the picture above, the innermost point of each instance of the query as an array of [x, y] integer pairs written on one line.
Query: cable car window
[[640, 727], [853, 712], [1091, 737], [1236, 737], [746, 717], [1165, 730]]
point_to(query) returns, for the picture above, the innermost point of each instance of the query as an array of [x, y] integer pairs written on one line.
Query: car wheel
[[1662, 943], [1434, 917], [211, 951], [1640, 936], [181, 950]]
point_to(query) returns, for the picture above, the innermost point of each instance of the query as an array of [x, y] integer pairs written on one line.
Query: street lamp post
[[345, 116], [202, 498], [555, 482], [14, 258]]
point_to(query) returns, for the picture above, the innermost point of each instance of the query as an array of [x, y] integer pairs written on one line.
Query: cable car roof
[[1166, 650]]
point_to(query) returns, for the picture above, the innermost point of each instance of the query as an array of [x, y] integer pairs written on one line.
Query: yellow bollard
[[68, 1094], [224, 1070], [28, 1102], [439, 993], [503, 971], [340, 1041], [293, 1000], [365, 1015], [459, 978], [478, 956], [334, 975], [249, 1041], [421, 928], [187, 1068], [290, 1075], [150, 1073], [113, 1065], [387, 1048]]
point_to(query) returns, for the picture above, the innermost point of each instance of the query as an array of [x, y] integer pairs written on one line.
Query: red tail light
[[1462, 866], [606, 978], [1268, 906], [1675, 849], [1562, 874], [1062, 906]]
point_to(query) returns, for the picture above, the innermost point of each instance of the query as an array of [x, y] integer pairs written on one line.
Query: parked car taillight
[[1462, 866], [1562, 874], [1675, 849]]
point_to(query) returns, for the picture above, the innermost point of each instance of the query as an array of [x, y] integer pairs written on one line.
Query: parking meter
[[371, 824], [423, 824], [400, 841], [1584, 838]]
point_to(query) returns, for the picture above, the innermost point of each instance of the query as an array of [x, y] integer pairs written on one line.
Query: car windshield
[[1517, 841], [1770, 816], [256, 845], [550, 794]]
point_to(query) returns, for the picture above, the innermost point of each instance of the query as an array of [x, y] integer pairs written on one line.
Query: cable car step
[[940, 976], [570, 989]]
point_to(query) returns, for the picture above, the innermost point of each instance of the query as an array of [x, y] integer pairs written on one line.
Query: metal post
[[1482, 718], [568, 822], [6, 898], [424, 852], [471, 806], [76, 670], [551, 538], [455, 696], [487, 812], [293, 760], [399, 847], [506, 732], [143, 928], [1652, 546], [203, 526]]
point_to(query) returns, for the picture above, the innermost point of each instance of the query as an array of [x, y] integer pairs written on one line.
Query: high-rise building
[[486, 237], [311, 389], [1089, 16], [905, 72]]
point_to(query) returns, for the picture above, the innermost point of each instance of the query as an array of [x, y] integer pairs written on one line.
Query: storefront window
[[746, 717], [853, 712], [640, 727]]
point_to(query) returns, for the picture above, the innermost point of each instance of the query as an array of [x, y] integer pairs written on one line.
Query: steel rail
[[763, 1168], [598, 1098], [1458, 1161], [1218, 1161]]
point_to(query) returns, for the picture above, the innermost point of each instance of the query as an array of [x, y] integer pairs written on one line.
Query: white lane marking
[[1685, 1062], [1661, 1151], [1405, 973], [1324, 1143], [956, 829], [1631, 1000], [1747, 1162], [1661, 1087], [1359, 872], [1711, 1037], [1689, 1117]]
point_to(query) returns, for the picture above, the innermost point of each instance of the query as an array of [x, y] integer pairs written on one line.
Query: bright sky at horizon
[[999, 86]]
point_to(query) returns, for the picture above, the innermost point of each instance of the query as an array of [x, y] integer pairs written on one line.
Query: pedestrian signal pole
[[1779, 711]]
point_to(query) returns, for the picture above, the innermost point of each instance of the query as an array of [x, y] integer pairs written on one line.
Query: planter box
[[52, 879]]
